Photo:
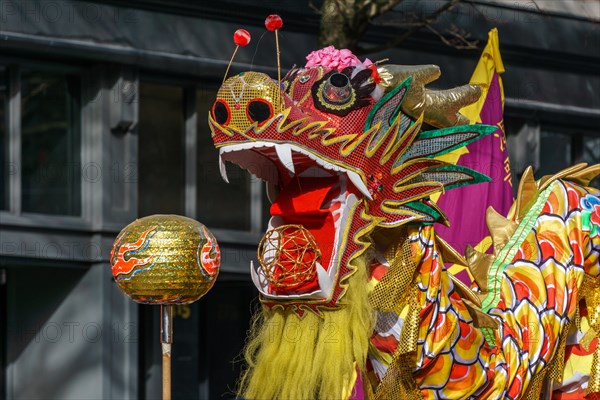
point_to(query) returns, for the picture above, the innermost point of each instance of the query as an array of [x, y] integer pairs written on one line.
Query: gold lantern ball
[[165, 259]]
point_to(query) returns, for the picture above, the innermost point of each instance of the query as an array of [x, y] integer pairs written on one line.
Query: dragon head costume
[[355, 299]]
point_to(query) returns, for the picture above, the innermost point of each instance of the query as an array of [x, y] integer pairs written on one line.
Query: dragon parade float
[[356, 301]]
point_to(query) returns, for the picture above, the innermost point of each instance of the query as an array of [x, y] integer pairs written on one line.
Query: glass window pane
[[591, 154], [51, 142], [555, 153], [161, 150], [220, 205], [228, 307], [4, 167], [46, 319], [591, 149]]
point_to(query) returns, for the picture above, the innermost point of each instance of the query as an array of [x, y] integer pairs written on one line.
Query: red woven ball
[[241, 37], [273, 22]]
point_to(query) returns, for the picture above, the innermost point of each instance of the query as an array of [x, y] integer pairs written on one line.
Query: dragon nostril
[[259, 110], [339, 80], [221, 112], [337, 89]]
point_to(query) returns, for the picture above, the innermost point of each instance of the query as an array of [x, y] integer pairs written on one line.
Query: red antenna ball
[[241, 37], [273, 22]]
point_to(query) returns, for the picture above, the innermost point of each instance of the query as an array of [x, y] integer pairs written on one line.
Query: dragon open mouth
[[312, 204], [312, 144]]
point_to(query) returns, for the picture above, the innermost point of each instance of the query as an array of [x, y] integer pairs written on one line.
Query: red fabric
[[300, 203]]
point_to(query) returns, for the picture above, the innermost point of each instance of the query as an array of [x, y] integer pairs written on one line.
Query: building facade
[[103, 109]]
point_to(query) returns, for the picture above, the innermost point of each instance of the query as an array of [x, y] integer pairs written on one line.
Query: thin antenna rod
[[278, 62], [229, 65], [241, 37], [274, 23]]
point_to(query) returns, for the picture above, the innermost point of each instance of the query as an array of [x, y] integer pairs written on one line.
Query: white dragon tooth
[[284, 152], [325, 279], [222, 169], [358, 182]]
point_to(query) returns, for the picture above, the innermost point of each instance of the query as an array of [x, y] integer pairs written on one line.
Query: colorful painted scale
[[546, 271]]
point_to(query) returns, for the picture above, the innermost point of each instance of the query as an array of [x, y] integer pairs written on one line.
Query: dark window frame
[[3, 332], [13, 214], [257, 191], [572, 122]]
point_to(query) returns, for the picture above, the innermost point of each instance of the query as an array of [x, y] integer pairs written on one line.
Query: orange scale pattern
[[539, 296]]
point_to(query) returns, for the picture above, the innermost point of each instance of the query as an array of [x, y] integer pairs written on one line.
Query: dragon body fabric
[[355, 299]]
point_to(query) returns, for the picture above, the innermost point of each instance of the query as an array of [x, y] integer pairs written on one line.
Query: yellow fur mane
[[311, 357]]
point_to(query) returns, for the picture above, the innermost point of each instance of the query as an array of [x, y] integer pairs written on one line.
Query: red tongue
[[300, 203], [303, 197]]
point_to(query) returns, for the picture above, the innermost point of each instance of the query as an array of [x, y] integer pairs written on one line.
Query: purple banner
[[466, 206]]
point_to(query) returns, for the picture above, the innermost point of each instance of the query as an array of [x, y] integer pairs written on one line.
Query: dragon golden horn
[[440, 107]]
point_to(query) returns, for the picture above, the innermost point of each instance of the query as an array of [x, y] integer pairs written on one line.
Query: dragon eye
[[337, 89], [221, 112], [259, 110]]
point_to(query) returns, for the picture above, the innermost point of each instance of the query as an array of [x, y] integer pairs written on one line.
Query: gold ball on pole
[[166, 260]]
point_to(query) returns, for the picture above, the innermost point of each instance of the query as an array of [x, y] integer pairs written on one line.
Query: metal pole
[[166, 338]]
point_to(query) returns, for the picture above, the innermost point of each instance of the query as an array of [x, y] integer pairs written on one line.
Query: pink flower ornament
[[332, 58]]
